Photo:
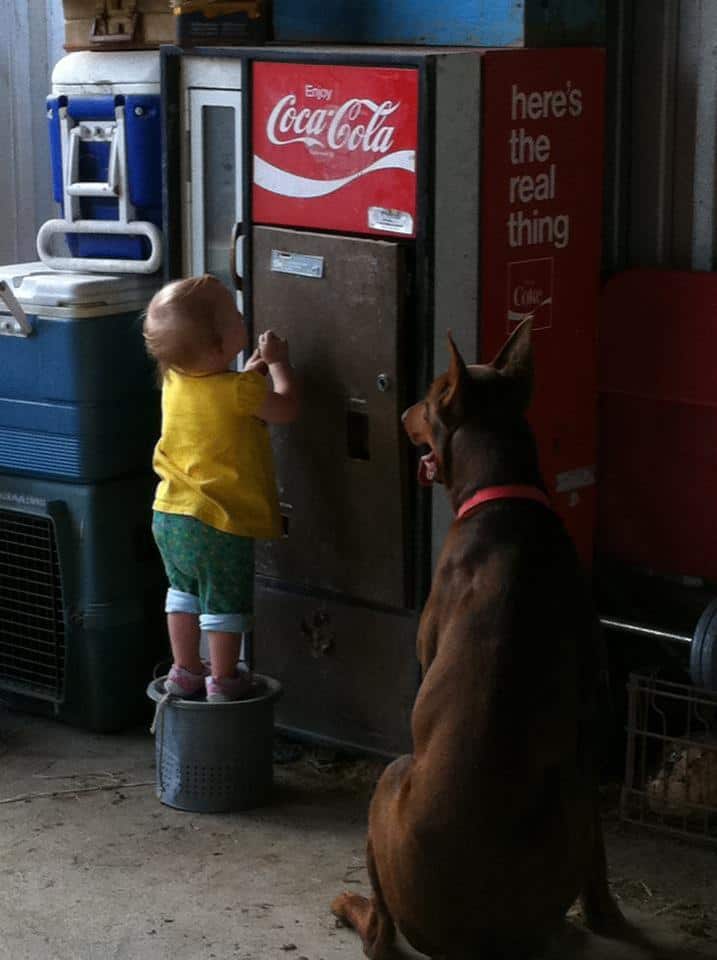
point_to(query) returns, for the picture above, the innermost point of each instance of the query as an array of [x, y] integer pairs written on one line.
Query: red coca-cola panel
[[658, 418], [541, 247], [335, 147]]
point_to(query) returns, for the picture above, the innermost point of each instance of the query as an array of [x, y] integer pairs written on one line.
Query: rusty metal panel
[[341, 466], [349, 673]]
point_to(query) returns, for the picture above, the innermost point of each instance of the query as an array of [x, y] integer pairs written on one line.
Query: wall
[[30, 45], [662, 155]]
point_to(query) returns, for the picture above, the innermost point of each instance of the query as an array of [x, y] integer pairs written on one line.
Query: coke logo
[[527, 296], [358, 124]]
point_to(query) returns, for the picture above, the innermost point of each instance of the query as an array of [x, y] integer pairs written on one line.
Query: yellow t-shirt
[[214, 456]]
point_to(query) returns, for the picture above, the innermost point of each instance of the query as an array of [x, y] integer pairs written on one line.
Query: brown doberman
[[480, 841]]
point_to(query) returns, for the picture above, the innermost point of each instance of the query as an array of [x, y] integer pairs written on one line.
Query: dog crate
[[81, 585], [32, 630], [671, 762]]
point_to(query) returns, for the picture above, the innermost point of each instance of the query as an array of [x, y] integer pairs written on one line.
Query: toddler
[[217, 490]]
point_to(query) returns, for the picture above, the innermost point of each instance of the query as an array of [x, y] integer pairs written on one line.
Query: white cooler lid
[[36, 285], [88, 72]]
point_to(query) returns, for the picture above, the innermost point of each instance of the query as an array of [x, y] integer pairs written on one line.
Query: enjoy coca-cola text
[[358, 124]]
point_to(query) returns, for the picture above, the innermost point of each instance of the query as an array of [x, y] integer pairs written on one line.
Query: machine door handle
[[237, 232]]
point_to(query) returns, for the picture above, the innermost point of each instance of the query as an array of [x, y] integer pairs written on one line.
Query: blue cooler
[[77, 393], [106, 152]]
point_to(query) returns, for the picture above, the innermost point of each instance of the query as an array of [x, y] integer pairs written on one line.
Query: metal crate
[[32, 625], [671, 762]]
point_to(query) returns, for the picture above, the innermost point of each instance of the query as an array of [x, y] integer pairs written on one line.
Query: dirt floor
[[93, 867]]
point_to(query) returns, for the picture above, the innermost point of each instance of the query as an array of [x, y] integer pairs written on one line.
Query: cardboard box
[[116, 25], [86, 9], [222, 22]]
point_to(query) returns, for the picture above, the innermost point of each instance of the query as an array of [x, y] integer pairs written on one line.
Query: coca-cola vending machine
[[369, 201]]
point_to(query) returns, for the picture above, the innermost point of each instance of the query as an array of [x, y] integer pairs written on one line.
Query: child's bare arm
[[256, 363], [282, 404]]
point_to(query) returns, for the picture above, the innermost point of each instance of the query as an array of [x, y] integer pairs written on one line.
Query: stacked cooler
[[80, 614]]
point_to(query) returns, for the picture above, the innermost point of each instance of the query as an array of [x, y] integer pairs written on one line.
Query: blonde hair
[[183, 322]]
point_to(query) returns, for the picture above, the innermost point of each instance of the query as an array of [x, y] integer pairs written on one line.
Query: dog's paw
[[610, 922], [346, 906], [339, 906]]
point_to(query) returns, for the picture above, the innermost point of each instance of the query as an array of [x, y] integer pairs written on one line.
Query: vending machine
[[366, 202]]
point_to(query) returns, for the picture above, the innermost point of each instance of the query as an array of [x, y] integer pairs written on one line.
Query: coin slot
[[357, 441]]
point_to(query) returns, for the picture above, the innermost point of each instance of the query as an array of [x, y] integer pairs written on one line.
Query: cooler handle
[[141, 228], [17, 325], [116, 185]]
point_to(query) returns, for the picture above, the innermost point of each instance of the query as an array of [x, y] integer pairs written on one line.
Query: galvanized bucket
[[215, 757]]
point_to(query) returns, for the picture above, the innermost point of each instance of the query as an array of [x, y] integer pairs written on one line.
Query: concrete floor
[[111, 874]]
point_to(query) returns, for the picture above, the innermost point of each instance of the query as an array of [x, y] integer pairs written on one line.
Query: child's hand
[[273, 349], [256, 363]]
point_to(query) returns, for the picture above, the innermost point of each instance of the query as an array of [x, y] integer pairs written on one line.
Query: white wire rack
[[671, 760]]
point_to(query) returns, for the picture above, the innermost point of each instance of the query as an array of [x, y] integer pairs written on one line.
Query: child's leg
[[224, 650], [176, 538], [184, 636], [226, 682], [186, 678], [226, 590]]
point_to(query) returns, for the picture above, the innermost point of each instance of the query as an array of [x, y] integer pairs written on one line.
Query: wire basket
[[671, 761]]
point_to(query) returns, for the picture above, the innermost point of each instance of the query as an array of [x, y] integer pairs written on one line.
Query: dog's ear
[[454, 399], [515, 361]]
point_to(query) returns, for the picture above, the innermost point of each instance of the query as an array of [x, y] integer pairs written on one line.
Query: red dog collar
[[514, 492]]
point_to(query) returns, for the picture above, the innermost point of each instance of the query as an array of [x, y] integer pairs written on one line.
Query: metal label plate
[[297, 264], [575, 479], [390, 221], [21, 499]]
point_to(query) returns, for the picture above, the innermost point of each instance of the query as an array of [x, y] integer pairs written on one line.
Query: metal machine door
[[214, 170], [340, 467]]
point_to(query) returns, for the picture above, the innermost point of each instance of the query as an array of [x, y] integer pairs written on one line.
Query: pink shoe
[[227, 689], [182, 683]]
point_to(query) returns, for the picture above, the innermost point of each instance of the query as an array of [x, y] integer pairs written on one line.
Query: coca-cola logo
[[530, 292], [526, 297], [324, 131], [359, 124]]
